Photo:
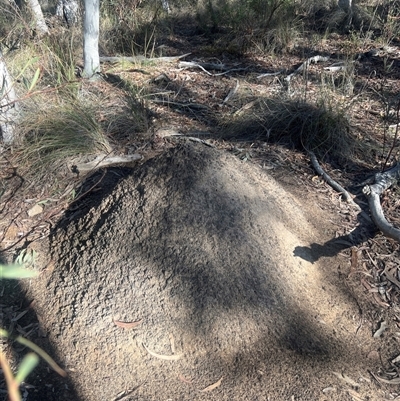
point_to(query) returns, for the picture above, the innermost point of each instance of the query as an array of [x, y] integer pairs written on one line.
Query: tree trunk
[[346, 6], [165, 6], [91, 38], [8, 105], [68, 10], [41, 27]]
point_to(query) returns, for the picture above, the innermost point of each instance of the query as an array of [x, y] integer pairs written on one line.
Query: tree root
[[382, 182], [337, 187]]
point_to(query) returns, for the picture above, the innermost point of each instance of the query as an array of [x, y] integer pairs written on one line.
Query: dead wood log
[[305, 64], [142, 59], [209, 66], [383, 181], [103, 161]]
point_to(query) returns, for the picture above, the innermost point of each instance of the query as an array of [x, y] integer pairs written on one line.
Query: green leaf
[[37, 350], [29, 63], [34, 80], [15, 272], [29, 363], [3, 333], [42, 354], [25, 82]]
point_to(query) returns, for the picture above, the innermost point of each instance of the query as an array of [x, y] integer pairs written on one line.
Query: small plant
[[30, 361]]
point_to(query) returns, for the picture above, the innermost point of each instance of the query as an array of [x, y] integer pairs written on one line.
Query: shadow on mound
[[199, 248]]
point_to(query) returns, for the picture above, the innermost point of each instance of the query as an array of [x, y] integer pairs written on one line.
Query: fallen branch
[[270, 74], [195, 106], [383, 181], [209, 66], [305, 64], [104, 161], [232, 92], [337, 187], [142, 59]]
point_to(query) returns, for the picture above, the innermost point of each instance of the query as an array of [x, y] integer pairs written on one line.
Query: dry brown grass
[[315, 127]]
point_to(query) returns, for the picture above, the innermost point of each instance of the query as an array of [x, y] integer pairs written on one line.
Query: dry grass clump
[[297, 124], [257, 25], [130, 27], [50, 135]]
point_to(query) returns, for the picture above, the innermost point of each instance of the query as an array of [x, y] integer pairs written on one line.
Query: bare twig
[[337, 187], [396, 135]]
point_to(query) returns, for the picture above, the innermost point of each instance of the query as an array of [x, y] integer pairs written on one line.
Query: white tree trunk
[[41, 27], [165, 6], [8, 105], [345, 5], [91, 38], [68, 10]]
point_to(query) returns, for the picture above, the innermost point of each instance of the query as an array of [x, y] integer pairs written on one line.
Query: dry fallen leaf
[[183, 379], [164, 357], [127, 325], [346, 379], [35, 210], [381, 329], [172, 341], [354, 258], [354, 395], [212, 386]]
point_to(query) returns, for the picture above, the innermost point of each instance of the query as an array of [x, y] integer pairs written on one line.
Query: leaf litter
[[163, 357]]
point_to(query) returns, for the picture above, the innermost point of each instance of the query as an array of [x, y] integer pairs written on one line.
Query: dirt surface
[[243, 271], [213, 257]]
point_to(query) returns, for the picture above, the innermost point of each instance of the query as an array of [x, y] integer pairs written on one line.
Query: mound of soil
[[211, 257]]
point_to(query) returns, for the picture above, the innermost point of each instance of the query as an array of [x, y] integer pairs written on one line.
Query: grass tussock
[[129, 28], [297, 124], [50, 135], [255, 25]]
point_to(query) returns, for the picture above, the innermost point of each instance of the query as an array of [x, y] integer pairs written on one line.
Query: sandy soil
[[213, 259]]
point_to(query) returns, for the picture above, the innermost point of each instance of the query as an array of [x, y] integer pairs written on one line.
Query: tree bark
[[41, 27], [346, 6], [165, 6], [8, 104], [91, 38], [68, 10]]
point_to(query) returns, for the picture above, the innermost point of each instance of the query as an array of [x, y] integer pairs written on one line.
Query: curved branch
[[382, 182], [337, 187]]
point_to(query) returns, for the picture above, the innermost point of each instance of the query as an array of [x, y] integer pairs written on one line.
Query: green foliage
[[26, 257], [16, 271], [27, 365], [31, 360], [62, 51]]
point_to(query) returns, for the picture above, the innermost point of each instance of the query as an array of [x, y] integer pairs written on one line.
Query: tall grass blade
[[16, 272], [27, 365]]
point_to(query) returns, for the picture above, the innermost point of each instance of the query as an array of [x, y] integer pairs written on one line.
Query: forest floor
[[219, 266]]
